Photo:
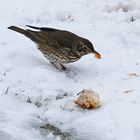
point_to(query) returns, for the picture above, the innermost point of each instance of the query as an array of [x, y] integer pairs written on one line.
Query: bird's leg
[[59, 66]]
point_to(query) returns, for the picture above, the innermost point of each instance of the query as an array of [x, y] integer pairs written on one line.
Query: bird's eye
[[84, 47]]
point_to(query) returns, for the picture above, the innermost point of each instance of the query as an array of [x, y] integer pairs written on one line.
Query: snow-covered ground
[[33, 93]]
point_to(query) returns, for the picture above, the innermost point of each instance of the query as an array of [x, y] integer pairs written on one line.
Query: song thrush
[[58, 46]]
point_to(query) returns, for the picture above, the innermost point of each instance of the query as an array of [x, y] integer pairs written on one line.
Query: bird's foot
[[69, 73], [63, 67], [59, 66]]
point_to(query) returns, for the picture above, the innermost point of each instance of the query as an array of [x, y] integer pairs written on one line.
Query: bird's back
[[55, 38]]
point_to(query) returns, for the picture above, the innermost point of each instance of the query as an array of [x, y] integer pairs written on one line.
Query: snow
[[34, 93]]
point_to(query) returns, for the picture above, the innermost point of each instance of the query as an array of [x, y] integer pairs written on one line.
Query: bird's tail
[[27, 33]]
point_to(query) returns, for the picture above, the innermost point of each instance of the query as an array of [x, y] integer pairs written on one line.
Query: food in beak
[[97, 55]]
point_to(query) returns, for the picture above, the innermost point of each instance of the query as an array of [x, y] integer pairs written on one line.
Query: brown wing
[[53, 37]]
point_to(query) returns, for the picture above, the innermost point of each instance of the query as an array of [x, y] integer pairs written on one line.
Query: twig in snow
[[4, 74], [132, 19], [6, 92], [55, 130], [128, 91]]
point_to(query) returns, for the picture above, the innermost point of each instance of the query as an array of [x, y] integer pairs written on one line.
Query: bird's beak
[[97, 55]]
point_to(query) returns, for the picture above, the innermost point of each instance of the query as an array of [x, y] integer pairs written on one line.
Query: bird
[[58, 46]]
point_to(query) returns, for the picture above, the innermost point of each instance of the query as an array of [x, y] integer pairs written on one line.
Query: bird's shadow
[[71, 73]]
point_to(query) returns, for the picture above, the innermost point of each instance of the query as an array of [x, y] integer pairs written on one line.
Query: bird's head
[[84, 46]]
